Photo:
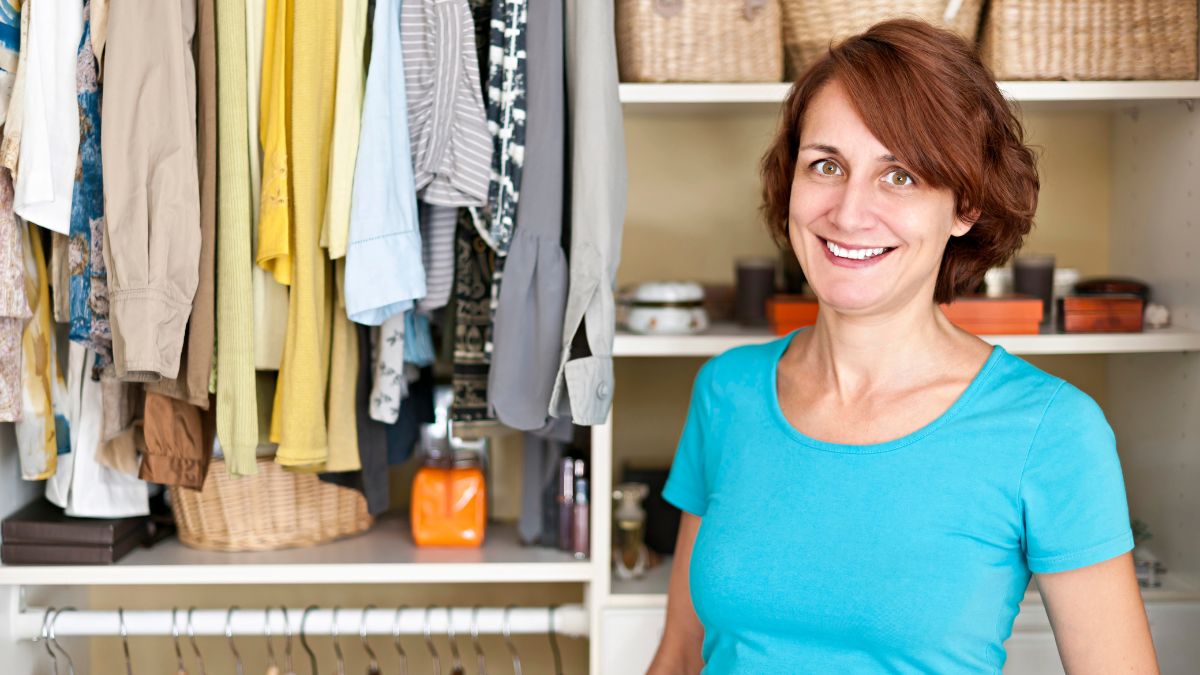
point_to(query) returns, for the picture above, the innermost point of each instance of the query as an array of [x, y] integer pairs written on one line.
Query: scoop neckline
[[795, 434]]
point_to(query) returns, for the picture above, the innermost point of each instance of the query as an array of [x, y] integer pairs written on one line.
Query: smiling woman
[[873, 494]]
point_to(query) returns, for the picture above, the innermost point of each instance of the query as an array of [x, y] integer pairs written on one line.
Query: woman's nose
[[854, 208]]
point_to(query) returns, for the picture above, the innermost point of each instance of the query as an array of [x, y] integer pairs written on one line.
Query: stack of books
[[40, 534]]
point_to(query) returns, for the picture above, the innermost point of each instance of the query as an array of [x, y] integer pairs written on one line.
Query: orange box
[[789, 312], [1102, 314]]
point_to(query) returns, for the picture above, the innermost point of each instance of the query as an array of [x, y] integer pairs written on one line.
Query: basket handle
[[670, 8]]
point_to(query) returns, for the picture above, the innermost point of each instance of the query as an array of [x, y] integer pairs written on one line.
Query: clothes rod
[[569, 621]]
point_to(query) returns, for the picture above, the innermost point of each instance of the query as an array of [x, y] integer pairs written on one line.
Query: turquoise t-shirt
[[909, 556]]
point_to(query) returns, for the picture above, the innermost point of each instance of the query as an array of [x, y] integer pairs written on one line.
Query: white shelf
[[651, 590], [385, 554], [721, 337], [645, 96]]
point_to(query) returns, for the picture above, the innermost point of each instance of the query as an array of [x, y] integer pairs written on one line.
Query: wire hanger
[[124, 640], [179, 667], [312, 658], [191, 633], [45, 637], [554, 643], [437, 663], [396, 639], [287, 645], [373, 666], [272, 664], [512, 649], [456, 667], [480, 658], [54, 642], [237, 658], [337, 648]]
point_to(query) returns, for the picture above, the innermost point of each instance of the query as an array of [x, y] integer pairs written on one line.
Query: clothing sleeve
[[1072, 494], [384, 271], [688, 484]]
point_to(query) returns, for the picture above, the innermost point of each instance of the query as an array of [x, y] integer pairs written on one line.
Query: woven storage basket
[[273, 509], [1090, 39], [811, 26], [699, 40]]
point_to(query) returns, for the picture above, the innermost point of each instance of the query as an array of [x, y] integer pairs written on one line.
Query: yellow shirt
[[275, 216], [347, 122]]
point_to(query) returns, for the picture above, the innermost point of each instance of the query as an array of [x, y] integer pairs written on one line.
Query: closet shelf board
[[1114, 94], [651, 590], [721, 337], [385, 554]]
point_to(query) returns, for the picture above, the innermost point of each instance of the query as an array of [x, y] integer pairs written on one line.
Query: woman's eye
[[899, 178], [826, 167]]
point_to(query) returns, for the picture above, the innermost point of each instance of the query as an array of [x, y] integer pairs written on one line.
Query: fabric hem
[[1109, 548]]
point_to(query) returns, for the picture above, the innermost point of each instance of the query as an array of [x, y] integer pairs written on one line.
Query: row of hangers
[[49, 619]]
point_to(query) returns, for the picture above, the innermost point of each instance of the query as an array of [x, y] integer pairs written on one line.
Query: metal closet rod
[[569, 620]]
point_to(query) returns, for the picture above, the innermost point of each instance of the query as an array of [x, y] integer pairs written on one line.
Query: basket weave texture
[[1090, 39], [699, 40], [810, 27], [273, 509]]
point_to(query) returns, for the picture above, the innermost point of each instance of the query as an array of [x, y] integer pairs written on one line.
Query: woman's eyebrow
[[826, 148]]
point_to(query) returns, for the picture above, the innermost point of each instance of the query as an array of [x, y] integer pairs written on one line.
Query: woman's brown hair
[[926, 96]]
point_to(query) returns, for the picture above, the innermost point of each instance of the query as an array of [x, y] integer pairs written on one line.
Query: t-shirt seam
[[1029, 455], [1079, 552]]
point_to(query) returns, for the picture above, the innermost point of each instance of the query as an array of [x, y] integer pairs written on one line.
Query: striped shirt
[[451, 145], [437, 252]]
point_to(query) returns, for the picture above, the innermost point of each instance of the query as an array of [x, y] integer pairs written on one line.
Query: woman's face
[[867, 232]]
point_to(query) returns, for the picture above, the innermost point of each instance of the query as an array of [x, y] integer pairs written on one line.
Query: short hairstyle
[[927, 97]]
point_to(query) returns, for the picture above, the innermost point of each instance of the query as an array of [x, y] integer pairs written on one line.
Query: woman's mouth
[[854, 256]]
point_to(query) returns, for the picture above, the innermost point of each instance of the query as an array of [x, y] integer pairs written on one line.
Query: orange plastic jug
[[449, 503]]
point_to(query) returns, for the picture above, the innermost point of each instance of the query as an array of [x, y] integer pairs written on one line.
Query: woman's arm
[[679, 651], [1098, 618]]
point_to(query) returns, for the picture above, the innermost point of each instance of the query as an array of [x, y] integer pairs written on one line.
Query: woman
[[872, 494]]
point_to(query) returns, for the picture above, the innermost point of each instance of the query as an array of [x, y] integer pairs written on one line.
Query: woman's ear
[[963, 224]]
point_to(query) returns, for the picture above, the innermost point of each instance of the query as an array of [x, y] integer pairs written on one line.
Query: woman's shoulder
[[1020, 384]]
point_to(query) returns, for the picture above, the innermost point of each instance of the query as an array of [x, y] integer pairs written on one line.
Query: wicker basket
[[273, 509], [1090, 39], [811, 26], [699, 40]]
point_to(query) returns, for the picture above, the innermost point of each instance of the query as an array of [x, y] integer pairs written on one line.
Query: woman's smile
[[854, 256]]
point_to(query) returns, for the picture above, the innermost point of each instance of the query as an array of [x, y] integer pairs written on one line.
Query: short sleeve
[[1072, 493], [687, 485]]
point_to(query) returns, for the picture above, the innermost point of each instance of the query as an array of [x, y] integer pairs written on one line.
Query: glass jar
[[449, 501]]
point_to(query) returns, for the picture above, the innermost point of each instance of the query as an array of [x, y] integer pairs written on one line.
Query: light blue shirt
[[384, 271], [908, 556]]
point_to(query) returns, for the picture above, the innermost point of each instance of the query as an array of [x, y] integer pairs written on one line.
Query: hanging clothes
[[437, 254], [389, 384], [474, 265], [10, 49], [122, 442], [298, 421], [528, 321], [384, 272], [179, 442], [82, 486], [41, 384], [151, 183], [275, 227], [344, 453], [583, 387], [447, 123], [14, 305], [237, 398], [196, 360], [88, 282], [270, 296], [506, 117], [14, 119], [347, 124], [50, 133]]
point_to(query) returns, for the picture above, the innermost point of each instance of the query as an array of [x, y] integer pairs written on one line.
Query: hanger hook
[[45, 637], [175, 639], [54, 642], [287, 645], [456, 666], [437, 662], [512, 649], [267, 634], [396, 639], [480, 658], [124, 640], [191, 633], [237, 658], [373, 666], [552, 634], [312, 658], [337, 647]]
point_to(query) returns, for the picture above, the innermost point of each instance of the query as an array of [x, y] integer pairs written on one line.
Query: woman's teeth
[[854, 253]]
